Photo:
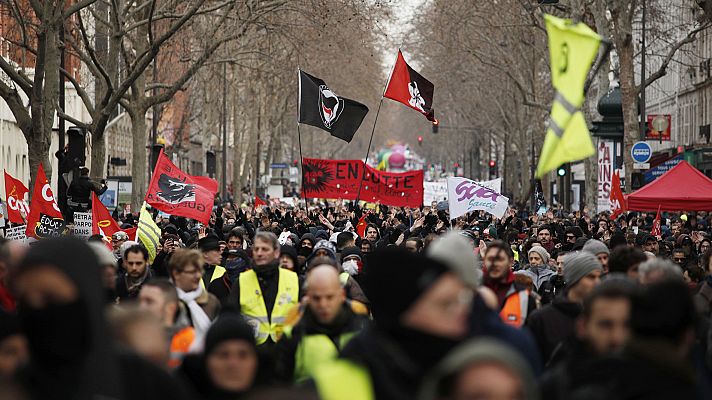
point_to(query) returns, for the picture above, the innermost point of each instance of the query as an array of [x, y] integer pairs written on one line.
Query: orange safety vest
[[180, 344], [514, 311]]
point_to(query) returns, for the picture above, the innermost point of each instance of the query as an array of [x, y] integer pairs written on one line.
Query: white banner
[[434, 191], [465, 195], [16, 233], [605, 175], [437, 190], [82, 224]]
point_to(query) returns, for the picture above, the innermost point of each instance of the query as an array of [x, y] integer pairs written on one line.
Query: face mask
[[350, 266], [305, 251], [57, 334]]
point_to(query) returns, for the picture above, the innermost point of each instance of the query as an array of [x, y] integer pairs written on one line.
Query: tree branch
[[662, 71], [76, 7]]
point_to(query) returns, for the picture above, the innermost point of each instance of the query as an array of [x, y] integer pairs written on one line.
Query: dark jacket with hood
[[72, 357], [552, 324]]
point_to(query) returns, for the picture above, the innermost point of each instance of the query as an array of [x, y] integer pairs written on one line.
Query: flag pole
[[373, 130], [299, 134]]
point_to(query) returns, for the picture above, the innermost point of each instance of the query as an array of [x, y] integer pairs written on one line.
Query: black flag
[[319, 106]]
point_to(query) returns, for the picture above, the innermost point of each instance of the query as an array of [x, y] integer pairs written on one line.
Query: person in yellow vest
[[265, 294], [325, 328], [159, 297], [420, 310], [210, 247], [514, 301]]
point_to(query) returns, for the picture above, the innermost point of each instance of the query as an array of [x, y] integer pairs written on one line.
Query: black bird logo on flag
[[407, 86], [319, 106], [173, 190]]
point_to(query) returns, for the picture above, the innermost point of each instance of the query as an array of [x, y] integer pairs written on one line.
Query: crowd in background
[[335, 301]]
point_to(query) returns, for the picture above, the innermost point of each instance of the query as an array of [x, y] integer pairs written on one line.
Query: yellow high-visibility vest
[[252, 304]]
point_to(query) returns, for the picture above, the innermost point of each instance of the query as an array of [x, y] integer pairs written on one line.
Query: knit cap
[[578, 265], [457, 252], [541, 252], [596, 247]]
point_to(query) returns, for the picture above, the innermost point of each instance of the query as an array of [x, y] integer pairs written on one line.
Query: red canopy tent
[[682, 188]]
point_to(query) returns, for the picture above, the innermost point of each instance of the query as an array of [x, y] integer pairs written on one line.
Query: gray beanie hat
[[542, 253], [596, 247], [479, 351], [458, 254], [105, 257], [577, 265]]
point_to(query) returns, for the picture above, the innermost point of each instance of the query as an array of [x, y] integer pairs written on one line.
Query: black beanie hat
[[229, 326], [350, 251], [394, 279], [291, 252], [9, 324]]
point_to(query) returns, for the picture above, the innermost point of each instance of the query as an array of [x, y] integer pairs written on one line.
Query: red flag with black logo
[[15, 192], [407, 86], [616, 197], [45, 219], [177, 193], [361, 226], [101, 220]]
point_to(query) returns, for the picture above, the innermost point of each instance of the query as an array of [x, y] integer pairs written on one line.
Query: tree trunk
[[139, 159], [98, 156], [629, 98]]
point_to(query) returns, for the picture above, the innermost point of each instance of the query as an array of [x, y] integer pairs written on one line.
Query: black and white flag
[[319, 106]]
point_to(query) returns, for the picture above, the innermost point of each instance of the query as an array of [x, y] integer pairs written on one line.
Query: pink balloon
[[396, 160]]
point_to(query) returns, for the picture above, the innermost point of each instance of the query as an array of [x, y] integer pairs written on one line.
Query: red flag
[[361, 226], [45, 219], [407, 86], [259, 202], [618, 203], [101, 220], [656, 225], [177, 193], [15, 192]]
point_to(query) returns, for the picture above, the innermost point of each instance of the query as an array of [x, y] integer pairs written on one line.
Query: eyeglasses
[[678, 259], [192, 272], [570, 237]]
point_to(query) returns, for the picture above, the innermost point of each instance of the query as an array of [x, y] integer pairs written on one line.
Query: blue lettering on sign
[[641, 152], [655, 172]]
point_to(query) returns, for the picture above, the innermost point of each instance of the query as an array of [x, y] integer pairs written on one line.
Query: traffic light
[[492, 169], [436, 124], [210, 162], [295, 162], [420, 140], [561, 171]]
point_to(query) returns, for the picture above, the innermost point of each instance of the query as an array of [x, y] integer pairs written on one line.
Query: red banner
[[177, 193], [15, 192], [101, 220], [340, 179]]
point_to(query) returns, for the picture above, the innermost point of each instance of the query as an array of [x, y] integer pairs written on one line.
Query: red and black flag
[[319, 106], [407, 86], [177, 193], [45, 219]]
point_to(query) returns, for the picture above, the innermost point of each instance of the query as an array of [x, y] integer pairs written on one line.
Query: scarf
[[201, 322]]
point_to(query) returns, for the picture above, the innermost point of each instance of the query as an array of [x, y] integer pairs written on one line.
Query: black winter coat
[[553, 324]]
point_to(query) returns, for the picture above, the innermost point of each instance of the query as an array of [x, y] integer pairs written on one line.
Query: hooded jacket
[[540, 274], [89, 367]]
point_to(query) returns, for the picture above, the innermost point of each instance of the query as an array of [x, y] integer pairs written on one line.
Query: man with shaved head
[[326, 326]]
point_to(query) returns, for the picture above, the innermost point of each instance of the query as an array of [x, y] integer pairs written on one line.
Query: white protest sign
[[465, 195], [16, 233], [434, 191], [437, 190], [82, 224]]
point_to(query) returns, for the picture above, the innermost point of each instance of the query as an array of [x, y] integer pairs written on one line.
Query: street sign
[[641, 152], [644, 165]]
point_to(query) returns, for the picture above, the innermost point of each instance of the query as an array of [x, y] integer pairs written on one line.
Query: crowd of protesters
[[290, 302]]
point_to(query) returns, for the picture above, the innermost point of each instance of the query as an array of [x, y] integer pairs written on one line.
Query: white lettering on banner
[[16, 233], [18, 205], [465, 195], [46, 190], [82, 224], [605, 175]]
